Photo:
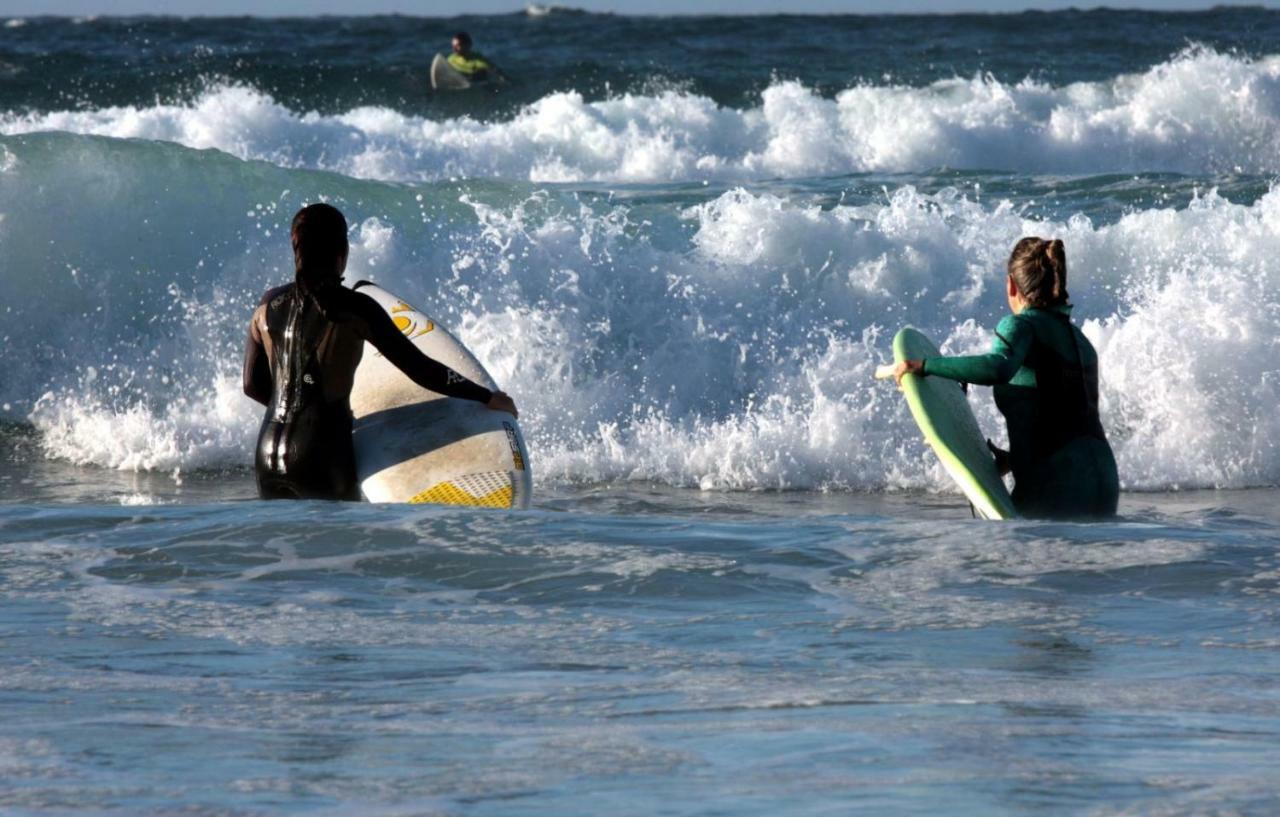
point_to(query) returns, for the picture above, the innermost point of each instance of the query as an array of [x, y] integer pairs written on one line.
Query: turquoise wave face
[[687, 277], [706, 335]]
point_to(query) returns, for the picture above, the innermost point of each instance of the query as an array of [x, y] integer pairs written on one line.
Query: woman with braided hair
[[1045, 374]]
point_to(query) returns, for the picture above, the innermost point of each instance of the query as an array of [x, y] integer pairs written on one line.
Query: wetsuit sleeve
[[257, 369], [428, 373], [1008, 351]]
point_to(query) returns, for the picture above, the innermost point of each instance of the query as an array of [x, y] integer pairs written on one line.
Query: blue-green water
[[639, 651], [683, 245]]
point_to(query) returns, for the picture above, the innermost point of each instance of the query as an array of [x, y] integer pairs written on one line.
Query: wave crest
[[1200, 112], [724, 343]]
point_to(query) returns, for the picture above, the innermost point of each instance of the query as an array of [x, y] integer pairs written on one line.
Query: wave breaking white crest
[[1199, 112], [724, 344]]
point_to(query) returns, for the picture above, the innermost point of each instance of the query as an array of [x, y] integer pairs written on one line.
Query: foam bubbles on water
[[1188, 360], [794, 303], [213, 427]]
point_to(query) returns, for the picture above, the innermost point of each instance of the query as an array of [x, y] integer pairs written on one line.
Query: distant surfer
[[305, 341], [1045, 374], [472, 64]]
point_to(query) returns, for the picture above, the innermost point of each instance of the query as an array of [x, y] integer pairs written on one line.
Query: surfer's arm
[[376, 326], [1008, 351], [486, 70], [257, 369]]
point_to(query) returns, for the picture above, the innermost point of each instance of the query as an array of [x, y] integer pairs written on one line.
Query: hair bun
[[1038, 266]]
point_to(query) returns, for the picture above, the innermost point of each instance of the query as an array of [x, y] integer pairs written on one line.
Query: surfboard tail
[[491, 489]]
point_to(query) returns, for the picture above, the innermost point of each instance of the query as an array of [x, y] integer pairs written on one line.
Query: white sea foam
[[1201, 111], [726, 345]]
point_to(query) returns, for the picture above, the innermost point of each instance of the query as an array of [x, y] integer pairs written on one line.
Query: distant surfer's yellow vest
[[474, 64]]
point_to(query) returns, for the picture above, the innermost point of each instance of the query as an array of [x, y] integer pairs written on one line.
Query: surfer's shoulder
[[1013, 330], [352, 308], [271, 299], [1014, 324], [355, 302], [275, 296], [1010, 321]]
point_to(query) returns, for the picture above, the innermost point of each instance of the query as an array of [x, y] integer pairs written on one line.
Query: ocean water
[[683, 245]]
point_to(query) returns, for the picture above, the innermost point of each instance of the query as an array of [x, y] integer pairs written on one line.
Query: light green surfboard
[[941, 409]]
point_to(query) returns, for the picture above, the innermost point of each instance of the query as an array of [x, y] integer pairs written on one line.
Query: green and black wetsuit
[[1045, 374], [474, 66]]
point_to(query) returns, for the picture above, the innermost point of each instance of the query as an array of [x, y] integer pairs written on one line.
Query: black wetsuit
[[304, 447]]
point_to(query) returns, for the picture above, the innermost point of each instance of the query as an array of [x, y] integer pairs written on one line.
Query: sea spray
[[711, 339], [1198, 112]]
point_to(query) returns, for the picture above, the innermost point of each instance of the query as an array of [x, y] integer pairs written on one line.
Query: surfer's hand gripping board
[[898, 370], [940, 408]]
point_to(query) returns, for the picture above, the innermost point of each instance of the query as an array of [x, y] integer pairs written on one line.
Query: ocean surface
[[683, 245]]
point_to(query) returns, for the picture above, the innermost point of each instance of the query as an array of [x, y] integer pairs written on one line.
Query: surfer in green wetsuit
[[471, 64], [1045, 374]]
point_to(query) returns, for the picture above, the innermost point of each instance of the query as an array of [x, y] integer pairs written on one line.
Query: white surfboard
[[444, 77], [413, 445]]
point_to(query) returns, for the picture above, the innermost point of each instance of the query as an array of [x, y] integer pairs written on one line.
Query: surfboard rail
[[444, 77], [941, 409]]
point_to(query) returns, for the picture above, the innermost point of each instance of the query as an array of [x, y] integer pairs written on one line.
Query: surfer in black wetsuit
[[305, 341]]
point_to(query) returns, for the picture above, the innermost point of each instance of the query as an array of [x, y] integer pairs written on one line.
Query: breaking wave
[[1199, 112], [725, 341]]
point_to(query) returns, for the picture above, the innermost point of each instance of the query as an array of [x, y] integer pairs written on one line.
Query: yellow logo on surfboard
[[410, 325], [493, 490]]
